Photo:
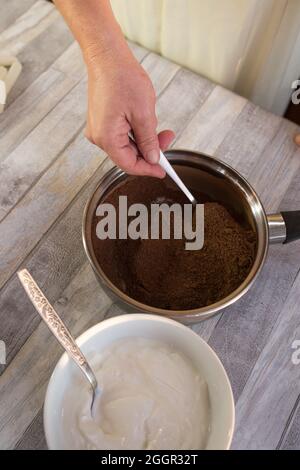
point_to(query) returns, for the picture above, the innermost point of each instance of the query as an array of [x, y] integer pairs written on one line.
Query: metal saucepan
[[222, 183]]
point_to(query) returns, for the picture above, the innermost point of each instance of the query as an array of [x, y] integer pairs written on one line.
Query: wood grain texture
[[33, 438], [273, 385], [53, 263], [27, 27], [291, 438], [44, 203], [278, 164], [251, 134], [188, 91], [11, 10], [24, 165], [40, 98], [212, 122], [161, 71], [39, 54]]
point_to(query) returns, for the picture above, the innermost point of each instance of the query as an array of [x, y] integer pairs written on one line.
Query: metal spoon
[[164, 163], [60, 331]]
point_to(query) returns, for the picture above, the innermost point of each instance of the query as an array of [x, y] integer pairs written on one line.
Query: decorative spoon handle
[[55, 324]]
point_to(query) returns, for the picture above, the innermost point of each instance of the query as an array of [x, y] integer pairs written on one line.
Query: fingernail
[[153, 156]]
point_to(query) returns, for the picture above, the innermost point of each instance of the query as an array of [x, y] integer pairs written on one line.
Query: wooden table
[[48, 171]]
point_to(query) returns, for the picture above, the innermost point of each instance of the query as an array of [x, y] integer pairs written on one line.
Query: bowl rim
[[201, 313], [65, 361]]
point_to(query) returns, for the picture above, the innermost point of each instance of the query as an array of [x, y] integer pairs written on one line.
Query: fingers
[[165, 138], [129, 161], [146, 169], [135, 164], [144, 129], [125, 154]]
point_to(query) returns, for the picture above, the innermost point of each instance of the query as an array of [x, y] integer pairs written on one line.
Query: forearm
[[121, 97], [94, 26]]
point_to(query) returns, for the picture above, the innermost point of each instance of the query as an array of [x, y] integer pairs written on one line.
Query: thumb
[[146, 139]]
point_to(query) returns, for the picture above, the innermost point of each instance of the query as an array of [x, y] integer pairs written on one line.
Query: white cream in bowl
[[136, 409], [153, 398]]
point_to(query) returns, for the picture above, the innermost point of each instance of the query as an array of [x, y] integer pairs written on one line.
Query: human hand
[[121, 98]]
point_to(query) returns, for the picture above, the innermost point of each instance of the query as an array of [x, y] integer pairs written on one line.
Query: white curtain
[[249, 46]]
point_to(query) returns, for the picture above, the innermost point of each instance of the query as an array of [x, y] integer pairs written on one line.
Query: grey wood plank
[[34, 437], [138, 51], [277, 166], [39, 54], [39, 99], [11, 10], [213, 121], [189, 92], [257, 316], [27, 26], [291, 439], [252, 132], [244, 328], [24, 165], [23, 384], [54, 263], [23, 227], [160, 70], [273, 387]]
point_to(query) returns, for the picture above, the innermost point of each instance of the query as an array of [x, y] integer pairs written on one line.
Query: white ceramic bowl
[[155, 327]]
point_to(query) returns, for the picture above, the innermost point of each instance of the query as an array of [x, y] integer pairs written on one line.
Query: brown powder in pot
[[162, 273]]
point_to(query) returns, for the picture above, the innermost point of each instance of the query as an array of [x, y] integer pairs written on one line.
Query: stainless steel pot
[[222, 183]]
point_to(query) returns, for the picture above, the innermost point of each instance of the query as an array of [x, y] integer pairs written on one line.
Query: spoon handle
[[55, 324], [164, 163]]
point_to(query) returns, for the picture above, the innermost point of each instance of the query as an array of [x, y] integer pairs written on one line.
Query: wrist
[[101, 48], [99, 54]]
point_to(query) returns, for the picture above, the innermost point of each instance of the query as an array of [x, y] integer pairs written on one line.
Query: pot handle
[[284, 227]]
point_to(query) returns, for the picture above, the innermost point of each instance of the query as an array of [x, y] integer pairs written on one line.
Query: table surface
[[47, 172]]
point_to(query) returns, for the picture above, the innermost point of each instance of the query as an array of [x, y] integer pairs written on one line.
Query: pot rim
[[202, 313]]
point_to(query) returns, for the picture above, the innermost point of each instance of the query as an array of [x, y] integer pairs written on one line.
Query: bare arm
[[120, 94]]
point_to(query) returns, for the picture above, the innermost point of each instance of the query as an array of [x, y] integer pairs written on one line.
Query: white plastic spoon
[[164, 163]]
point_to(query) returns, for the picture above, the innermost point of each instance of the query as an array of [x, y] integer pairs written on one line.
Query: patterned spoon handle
[[55, 324]]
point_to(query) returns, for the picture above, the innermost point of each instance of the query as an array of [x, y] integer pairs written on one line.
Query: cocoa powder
[[162, 273]]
